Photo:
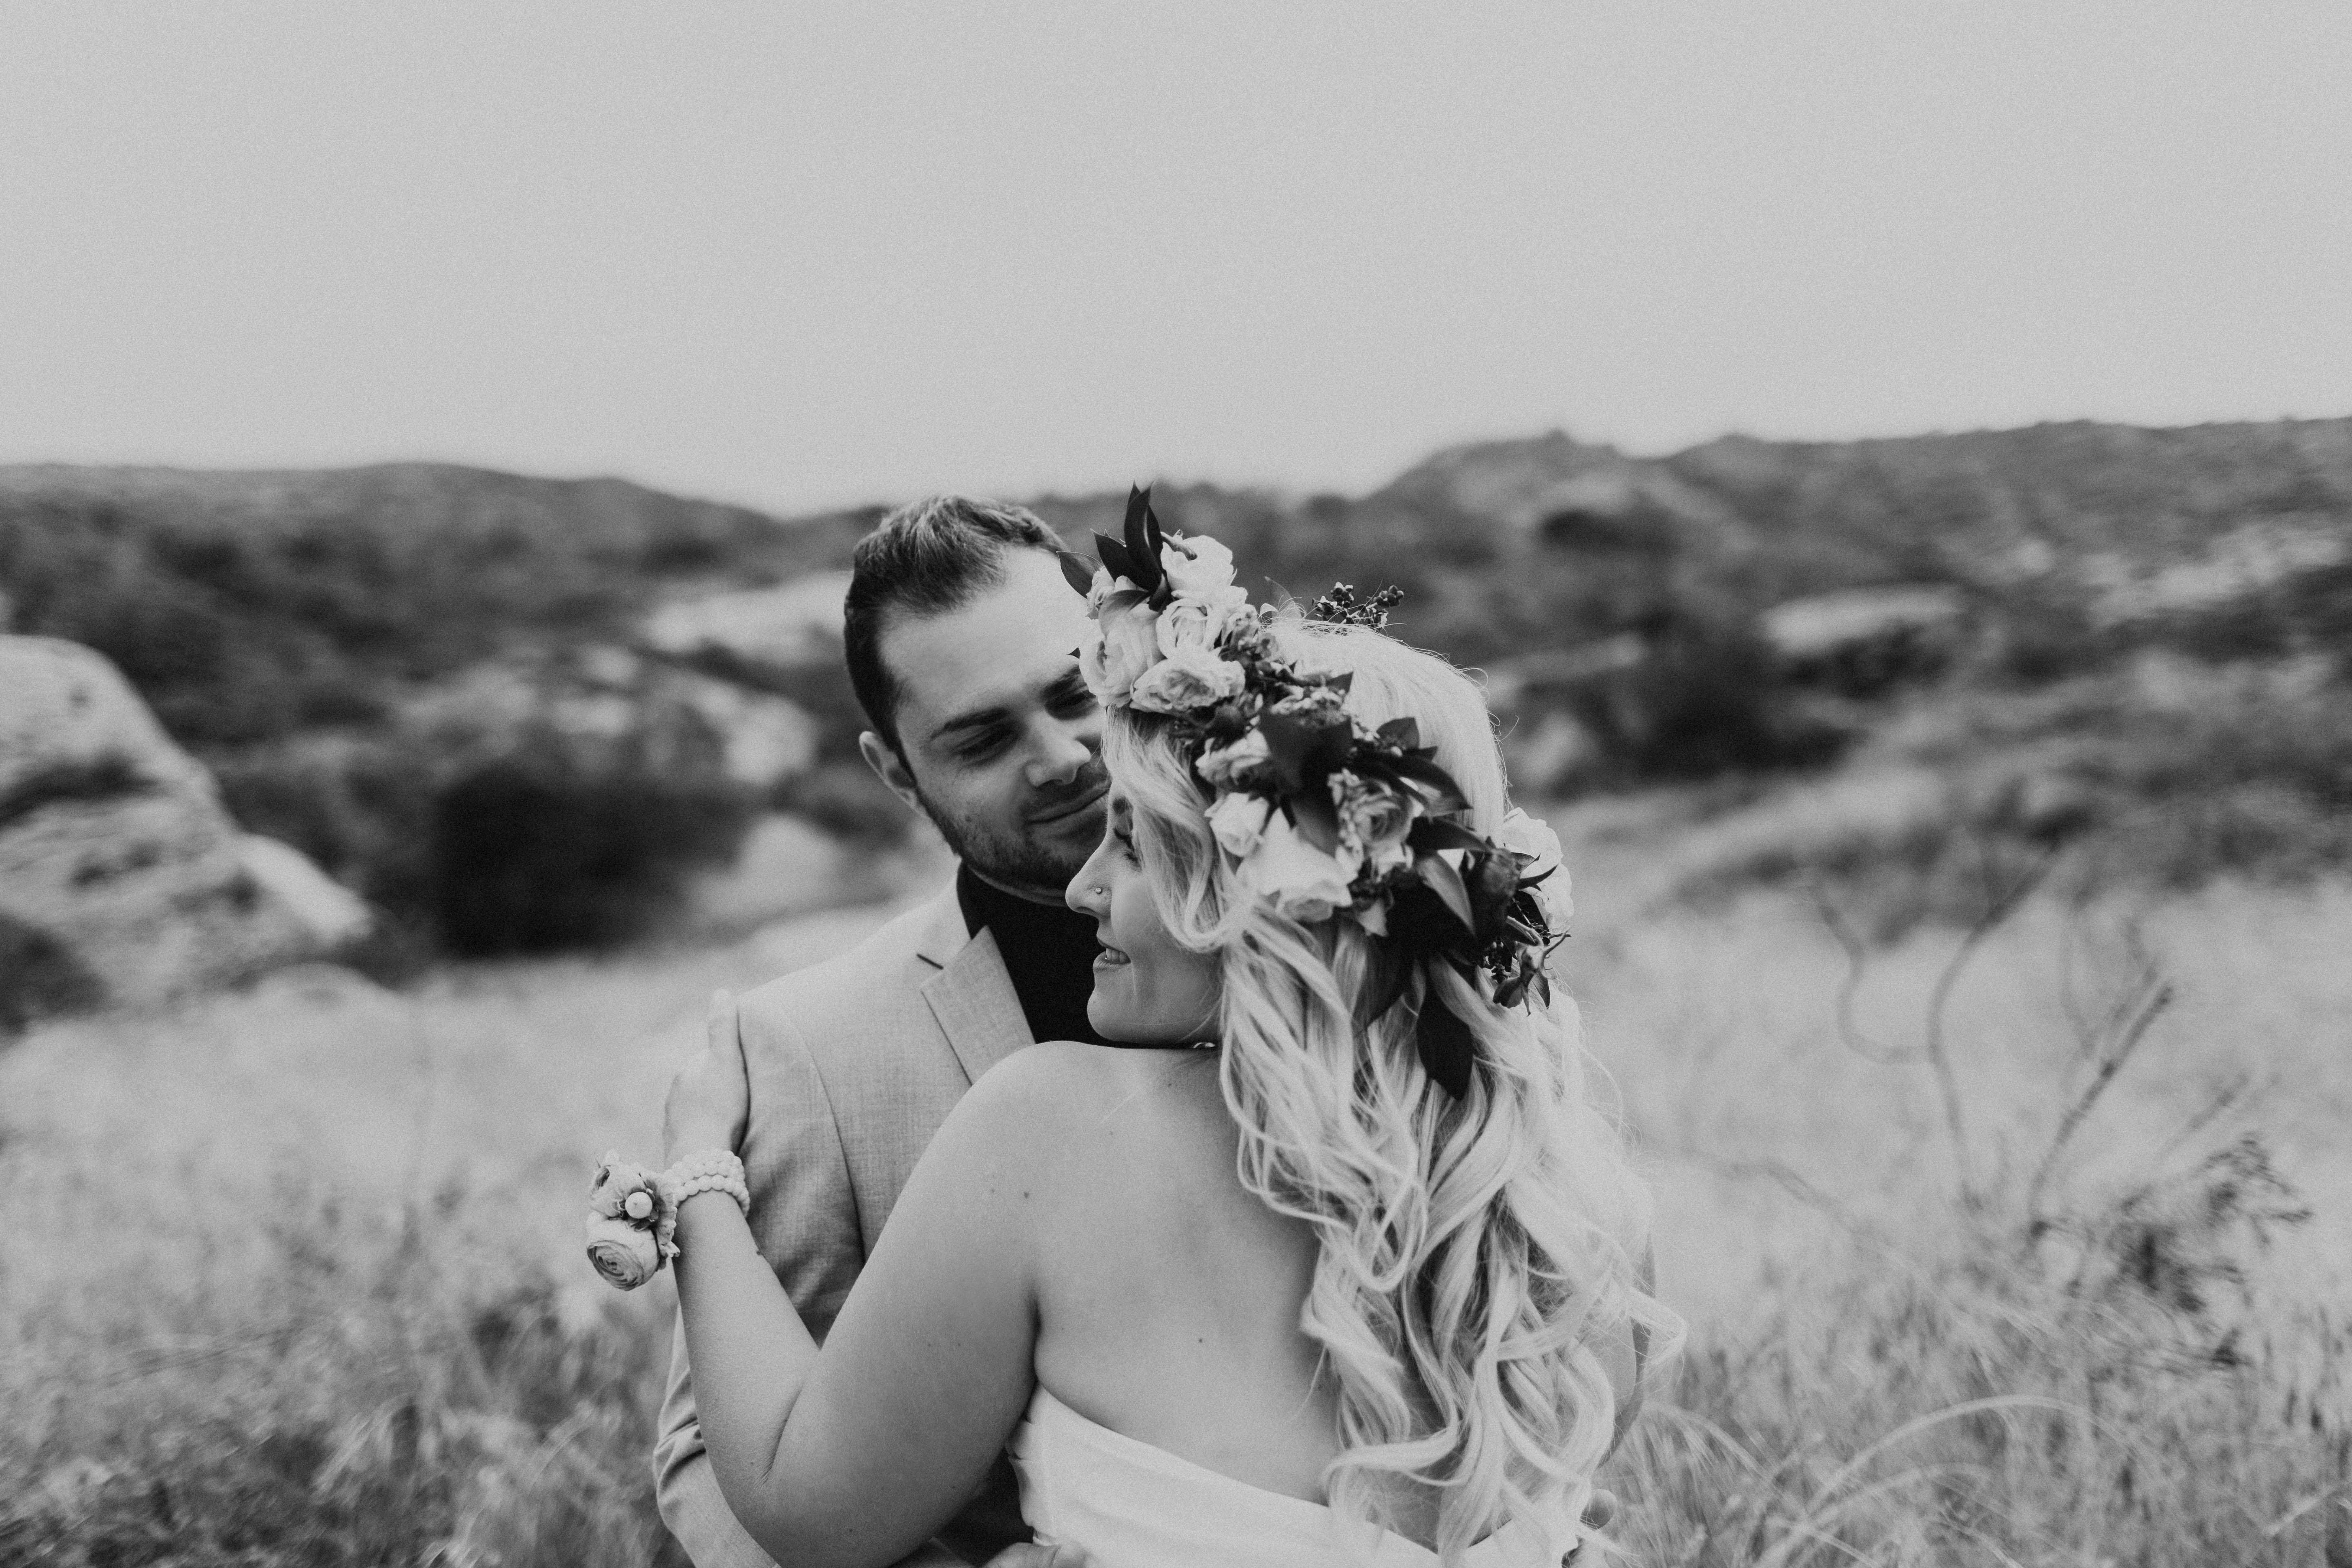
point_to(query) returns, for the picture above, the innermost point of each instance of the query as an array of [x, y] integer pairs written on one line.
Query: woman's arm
[[856, 1455], [806, 1229]]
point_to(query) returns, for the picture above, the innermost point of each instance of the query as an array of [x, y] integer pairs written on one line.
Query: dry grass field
[[293, 1276], [2136, 1352]]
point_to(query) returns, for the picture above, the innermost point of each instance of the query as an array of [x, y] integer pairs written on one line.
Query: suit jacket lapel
[[972, 995]]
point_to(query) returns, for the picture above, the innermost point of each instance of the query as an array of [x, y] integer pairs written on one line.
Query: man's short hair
[[924, 560]]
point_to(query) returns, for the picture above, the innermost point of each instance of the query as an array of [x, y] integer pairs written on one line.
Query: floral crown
[[1322, 815]]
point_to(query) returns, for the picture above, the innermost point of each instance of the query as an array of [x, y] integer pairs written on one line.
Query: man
[[959, 634]]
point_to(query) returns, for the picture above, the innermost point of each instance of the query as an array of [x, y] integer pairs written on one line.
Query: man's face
[[1002, 741]]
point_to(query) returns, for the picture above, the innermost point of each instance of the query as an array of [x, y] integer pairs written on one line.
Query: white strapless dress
[[1131, 1505]]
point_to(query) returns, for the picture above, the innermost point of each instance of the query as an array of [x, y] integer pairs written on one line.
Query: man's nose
[[1062, 753]]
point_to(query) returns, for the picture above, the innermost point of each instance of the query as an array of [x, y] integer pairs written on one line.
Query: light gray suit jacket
[[854, 1065]]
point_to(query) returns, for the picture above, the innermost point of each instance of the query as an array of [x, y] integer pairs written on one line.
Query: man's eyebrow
[[978, 719], [1068, 681]]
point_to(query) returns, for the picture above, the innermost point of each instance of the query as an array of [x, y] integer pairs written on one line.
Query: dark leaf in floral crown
[[1074, 569], [1342, 683], [1115, 556], [1143, 535], [1440, 878], [1512, 991], [1491, 880], [1419, 921], [1541, 986], [1402, 733], [1420, 770], [1333, 742], [1317, 819], [1433, 832], [1304, 749], [1446, 1046]]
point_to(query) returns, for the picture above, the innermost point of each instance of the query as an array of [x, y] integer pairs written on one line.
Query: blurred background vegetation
[[500, 707]]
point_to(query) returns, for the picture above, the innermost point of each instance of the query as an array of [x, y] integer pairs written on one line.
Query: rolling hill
[[2149, 617]]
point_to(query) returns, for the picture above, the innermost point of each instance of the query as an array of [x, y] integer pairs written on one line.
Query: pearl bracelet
[[708, 1171]]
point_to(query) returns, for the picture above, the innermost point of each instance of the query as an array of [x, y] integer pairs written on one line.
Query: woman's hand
[[711, 1097]]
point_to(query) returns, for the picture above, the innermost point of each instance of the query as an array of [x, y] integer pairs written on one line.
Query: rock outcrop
[[116, 856]]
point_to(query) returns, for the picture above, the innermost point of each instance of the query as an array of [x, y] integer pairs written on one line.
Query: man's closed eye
[[982, 745]]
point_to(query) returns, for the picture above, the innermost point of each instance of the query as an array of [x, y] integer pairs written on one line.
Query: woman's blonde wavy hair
[[1474, 1253]]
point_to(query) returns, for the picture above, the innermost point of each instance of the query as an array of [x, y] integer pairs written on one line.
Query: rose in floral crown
[[1322, 815]]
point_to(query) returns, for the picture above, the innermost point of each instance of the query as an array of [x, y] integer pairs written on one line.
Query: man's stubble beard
[[1017, 864]]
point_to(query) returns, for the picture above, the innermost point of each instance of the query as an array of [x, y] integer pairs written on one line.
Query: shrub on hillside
[[536, 853], [2309, 612], [219, 665], [1705, 701], [533, 845], [361, 807]]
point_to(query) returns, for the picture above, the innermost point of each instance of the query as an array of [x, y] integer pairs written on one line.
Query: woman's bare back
[[1169, 1295]]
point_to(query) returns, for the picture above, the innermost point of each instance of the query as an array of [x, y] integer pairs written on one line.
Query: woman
[[1346, 1273]]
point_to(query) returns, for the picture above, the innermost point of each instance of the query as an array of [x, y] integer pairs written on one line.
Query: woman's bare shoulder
[[1063, 1075], [1016, 1143], [1062, 1093]]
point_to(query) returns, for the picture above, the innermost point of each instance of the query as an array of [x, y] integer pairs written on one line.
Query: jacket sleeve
[[805, 1214], [685, 1488]]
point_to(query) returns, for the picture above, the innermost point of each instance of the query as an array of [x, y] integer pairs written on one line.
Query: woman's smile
[[1167, 993]]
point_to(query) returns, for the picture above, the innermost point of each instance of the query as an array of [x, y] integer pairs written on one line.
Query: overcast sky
[[801, 256]]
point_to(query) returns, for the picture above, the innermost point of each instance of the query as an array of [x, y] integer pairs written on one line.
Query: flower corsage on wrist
[[633, 1211]]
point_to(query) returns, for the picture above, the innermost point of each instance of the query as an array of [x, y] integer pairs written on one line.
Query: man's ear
[[890, 768]]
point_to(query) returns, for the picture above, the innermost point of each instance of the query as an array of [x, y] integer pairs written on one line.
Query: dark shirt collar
[[1048, 950]]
